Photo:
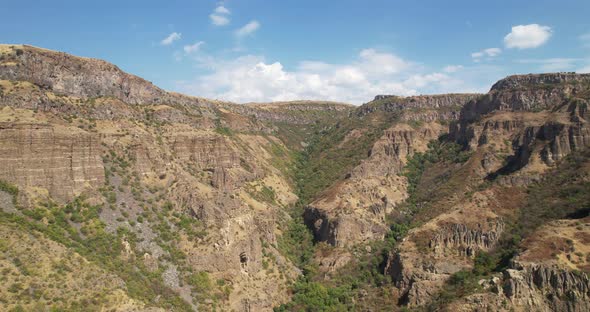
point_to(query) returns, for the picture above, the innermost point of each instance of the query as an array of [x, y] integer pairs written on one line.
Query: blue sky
[[342, 50]]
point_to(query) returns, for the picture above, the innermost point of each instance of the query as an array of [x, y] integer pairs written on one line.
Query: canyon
[[117, 195]]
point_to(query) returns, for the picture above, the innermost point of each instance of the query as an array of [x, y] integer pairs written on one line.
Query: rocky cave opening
[[243, 259]]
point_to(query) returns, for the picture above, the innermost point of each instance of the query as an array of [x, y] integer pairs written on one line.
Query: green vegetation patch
[[330, 155], [442, 153], [94, 243], [296, 243]]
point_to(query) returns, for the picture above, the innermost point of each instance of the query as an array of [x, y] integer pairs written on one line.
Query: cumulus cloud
[[220, 16], [252, 78], [188, 49], [171, 38], [248, 29], [527, 36], [552, 64], [488, 53]]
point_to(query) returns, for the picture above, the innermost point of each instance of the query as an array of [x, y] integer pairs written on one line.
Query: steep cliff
[[542, 118], [64, 160], [549, 275]]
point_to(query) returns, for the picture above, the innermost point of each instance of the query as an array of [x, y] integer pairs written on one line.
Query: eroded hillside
[[188, 193]]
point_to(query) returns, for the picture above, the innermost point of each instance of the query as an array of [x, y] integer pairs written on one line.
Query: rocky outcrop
[[424, 261], [550, 274], [464, 240], [419, 275], [546, 288], [418, 280], [530, 287]]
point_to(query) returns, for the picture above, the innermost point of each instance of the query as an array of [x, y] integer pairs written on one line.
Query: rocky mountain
[[519, 135], [117, 195]]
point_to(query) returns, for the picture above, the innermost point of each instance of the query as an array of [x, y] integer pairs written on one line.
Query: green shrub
[[313, 296], [224, 131], [10, 189], [200, 282]]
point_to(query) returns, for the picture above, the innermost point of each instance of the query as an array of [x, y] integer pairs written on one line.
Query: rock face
[[543, 288], [214, 154], [354, 210], [546, 276], [64, 160], [465, 240], [423, 262]]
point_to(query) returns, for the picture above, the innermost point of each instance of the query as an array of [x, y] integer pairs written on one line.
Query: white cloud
[[221, 10], [171, 38], [220, 16], [377, 63], [218, 20], [420, 81], [490, 53], [584, 70], [252, 78], [248, 29], [476, 55], [452, 68], [188, 49], [527, 36]]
